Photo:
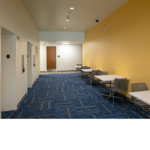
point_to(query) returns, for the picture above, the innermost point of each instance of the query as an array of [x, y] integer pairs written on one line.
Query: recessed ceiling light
[[64, 27], [67, 20], [71, 7], [66, 43]]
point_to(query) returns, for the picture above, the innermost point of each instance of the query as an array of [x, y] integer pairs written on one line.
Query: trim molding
[[33, 82], [21, 100], [66, 70], [42, 71]]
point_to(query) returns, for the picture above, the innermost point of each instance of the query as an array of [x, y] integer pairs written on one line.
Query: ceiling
[[6, 32], [51, 15], [60, 42]]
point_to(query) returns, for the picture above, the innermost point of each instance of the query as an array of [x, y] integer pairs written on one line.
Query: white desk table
[[143, 96], [78, 67], [87, 71], [109, 78]]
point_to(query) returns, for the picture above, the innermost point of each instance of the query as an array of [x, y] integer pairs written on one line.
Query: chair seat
[[116, 89], [140, 103], [105, 82]]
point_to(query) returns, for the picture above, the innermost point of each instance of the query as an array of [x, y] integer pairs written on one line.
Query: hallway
[[69, 96]]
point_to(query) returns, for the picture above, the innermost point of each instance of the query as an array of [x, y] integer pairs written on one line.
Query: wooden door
[[51, 57]]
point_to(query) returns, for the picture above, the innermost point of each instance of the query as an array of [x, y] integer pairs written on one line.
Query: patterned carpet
[[69, 96]]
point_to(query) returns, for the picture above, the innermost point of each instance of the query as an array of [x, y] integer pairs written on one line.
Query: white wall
[[37, 62], [29, 65], [70, 55], [0, 72], [61, 36], [8, 90], [15, 18], [33, 67]]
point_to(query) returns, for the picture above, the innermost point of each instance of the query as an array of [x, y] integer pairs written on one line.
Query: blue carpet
[[69, 96]]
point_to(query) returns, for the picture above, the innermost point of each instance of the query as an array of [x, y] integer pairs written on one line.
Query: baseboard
[[21, 100], [33, 83], [43, 71], [66, 70]]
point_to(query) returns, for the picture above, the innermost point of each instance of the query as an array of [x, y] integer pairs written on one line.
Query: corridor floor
[[65, 96]]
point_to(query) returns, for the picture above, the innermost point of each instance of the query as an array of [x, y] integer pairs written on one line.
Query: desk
[[78, 67], [143, 96], [88, 71], [109, 78]]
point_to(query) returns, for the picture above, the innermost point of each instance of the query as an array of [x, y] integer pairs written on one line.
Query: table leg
[[91, 79]]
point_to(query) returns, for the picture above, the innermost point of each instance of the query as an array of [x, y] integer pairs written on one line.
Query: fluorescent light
[[66, 43], [64, 27], [71, 7], [67, 20]]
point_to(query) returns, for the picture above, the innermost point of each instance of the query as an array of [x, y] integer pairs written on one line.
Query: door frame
[[56, 57], [31, 59], [37, 61]]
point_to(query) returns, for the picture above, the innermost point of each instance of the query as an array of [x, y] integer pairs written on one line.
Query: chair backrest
[[79, 65], [120, 84], [104, 73], [95, 72], [85, 67], [136, 87]]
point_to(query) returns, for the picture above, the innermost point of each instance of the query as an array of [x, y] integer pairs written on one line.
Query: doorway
[[51, 58], [8, 70], [29, 65], [37, 62]]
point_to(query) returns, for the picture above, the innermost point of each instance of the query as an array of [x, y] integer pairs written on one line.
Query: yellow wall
[[123, 46]]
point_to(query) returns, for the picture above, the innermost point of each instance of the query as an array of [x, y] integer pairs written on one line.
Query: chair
[[93, 74], [118, 85], [78, 69], [136, 87]]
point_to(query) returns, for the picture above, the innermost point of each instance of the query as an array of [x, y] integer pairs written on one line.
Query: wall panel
[[122, 47]]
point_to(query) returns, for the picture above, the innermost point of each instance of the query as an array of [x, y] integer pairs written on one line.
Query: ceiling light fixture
[[64, 27], [66, 43], [67, 20], [72, 8]]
